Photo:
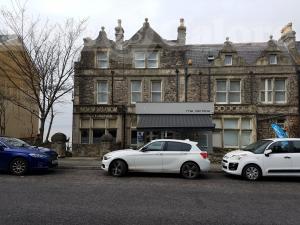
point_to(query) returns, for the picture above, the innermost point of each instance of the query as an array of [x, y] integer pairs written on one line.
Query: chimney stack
[[288, 35], [181, 33], [119, 35]]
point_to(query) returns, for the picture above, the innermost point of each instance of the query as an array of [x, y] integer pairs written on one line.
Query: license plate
[[54, 161]]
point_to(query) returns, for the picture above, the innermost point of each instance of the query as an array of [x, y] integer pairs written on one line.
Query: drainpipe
[[124, 125], [112, 87], [177, 85]]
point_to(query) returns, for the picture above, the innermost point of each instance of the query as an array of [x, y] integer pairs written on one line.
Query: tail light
[[204, 155]]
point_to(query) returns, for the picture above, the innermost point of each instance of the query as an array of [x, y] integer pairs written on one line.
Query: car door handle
[[287, 157]]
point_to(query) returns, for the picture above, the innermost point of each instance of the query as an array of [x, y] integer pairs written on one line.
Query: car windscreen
[[14, 142], [257, 147]]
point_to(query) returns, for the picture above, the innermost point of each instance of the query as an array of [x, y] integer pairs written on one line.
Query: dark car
[[18, 157]]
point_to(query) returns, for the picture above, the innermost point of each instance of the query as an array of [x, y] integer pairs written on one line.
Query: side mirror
[[268, 152]]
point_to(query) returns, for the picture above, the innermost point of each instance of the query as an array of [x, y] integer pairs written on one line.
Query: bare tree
[[42, 57], [2, 114]]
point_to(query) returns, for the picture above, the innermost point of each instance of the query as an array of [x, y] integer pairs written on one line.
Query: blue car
[[18, 157]]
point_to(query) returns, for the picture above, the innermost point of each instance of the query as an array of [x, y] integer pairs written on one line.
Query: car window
[[296, 146], [156, 146], [280, 147], [177, 146]]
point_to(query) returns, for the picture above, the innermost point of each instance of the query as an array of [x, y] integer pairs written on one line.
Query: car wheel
[[252, 172], [118, 168], [190, 170], [18, 166]]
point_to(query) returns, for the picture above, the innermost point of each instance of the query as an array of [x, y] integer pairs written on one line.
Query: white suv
[[160, 156], [268, 157]]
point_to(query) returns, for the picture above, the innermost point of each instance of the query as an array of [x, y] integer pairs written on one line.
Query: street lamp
[[186, 76]]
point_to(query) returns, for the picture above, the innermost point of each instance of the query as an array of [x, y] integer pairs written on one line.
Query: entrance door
[[150, 159]]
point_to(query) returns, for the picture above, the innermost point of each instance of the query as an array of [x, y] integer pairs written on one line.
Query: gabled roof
[[146, 36]]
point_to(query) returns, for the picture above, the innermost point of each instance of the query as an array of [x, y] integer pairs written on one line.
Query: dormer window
[[146, 59], [273, 59], [102, 60], [228, 60]]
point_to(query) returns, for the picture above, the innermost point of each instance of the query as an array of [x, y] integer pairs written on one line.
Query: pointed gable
[[146, 36]]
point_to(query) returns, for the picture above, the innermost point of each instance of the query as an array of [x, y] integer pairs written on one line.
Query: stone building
[[15, 120], [220, 95]]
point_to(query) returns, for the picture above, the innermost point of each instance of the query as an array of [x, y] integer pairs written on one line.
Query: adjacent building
[[220, 95], [15, 120]]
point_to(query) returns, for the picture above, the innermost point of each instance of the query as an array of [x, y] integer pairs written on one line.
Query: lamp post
[[186, 76]]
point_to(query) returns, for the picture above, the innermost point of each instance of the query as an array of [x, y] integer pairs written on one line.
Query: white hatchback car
[[159, 156], [268, 157]]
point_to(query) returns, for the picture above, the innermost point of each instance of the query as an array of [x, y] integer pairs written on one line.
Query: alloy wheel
[[18, 166], [190, 170], [118, 168], [252, 173]]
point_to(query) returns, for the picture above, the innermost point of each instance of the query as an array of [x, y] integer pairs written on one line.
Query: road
[[92, 197]]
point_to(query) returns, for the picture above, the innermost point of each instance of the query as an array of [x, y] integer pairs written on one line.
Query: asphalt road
[[92, 197]]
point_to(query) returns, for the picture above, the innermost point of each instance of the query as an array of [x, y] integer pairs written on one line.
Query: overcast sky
[[207, 21]]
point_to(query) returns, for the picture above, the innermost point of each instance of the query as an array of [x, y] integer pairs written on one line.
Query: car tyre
[[190, 170], [252, 172], [18, 166], [118, 168]]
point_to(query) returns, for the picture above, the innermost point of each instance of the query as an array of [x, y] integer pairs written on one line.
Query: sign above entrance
[[175, 108]]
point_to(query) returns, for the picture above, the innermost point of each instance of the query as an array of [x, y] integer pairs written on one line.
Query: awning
[[174, 121]]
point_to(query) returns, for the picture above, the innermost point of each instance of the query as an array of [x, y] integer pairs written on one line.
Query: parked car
[[159, 156], [268, 157], [18, 157]]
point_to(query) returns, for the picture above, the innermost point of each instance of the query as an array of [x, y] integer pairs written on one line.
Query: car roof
[[282, 139], [177, 140]]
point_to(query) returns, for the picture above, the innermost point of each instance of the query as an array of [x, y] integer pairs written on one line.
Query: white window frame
[[275, 59], [146, 59], [135, 59], [161, 99], [239, 129], [99, 60], [99, 91], [272, 90], [131, 93], [228, 91], [230, 63], [156, 60]]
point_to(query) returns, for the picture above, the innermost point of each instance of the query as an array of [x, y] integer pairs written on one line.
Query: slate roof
[[248, 51]]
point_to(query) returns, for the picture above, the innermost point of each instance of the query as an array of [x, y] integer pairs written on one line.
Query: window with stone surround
[[84, 139], [235, 132], [136, 91], [228, 91], [156, 93], [146, 59], [102, 92], [273, 59], [228, 60], [273, 91], [102, 60]]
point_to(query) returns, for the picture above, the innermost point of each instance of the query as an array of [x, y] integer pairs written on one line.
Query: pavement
[[94, 163]]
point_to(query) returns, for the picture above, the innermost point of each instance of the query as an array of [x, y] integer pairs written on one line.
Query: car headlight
[[36, 155], [237, 157], [106, 157]]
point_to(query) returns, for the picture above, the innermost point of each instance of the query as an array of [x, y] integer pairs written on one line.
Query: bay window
[[232, 132]]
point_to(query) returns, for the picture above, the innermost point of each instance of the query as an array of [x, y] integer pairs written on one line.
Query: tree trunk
[[50, 125]]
